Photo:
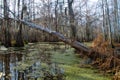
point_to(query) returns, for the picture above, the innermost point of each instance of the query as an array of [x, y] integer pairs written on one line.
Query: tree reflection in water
[[7, 63], [32, 62]]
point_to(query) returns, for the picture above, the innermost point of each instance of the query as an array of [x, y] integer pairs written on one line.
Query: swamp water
[[43, 61]]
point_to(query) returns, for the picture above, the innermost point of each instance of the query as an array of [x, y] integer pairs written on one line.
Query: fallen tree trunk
[[77, 45]]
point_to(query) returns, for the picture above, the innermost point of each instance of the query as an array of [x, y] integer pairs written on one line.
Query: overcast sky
[[90, 3]]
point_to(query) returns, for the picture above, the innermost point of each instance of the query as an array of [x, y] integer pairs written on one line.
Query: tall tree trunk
[[87, 23], [19, 38], [72, 22], [7, 36], [116, 21], [103, 26], [109, 25], [56, 17]]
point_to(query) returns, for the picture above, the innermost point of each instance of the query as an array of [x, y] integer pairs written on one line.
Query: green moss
[[67, 60], [70, 63], [89, 44]]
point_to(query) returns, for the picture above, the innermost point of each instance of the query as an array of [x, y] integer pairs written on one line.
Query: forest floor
[[71, 63], [63, 55]]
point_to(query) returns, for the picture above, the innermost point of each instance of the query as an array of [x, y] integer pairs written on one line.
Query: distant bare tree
[[56, 16], [72, 18]]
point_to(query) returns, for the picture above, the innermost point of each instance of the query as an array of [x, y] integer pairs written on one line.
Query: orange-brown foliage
[[100, 45], [97, 42], [117, 74], [112, 56]]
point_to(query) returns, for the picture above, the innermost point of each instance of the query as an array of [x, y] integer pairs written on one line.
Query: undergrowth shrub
[[105, 60]]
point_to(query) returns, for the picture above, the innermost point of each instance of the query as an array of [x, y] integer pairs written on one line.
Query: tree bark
[[56, 17], [7, 35], [109, 25], [19, 38], [72, 22]]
